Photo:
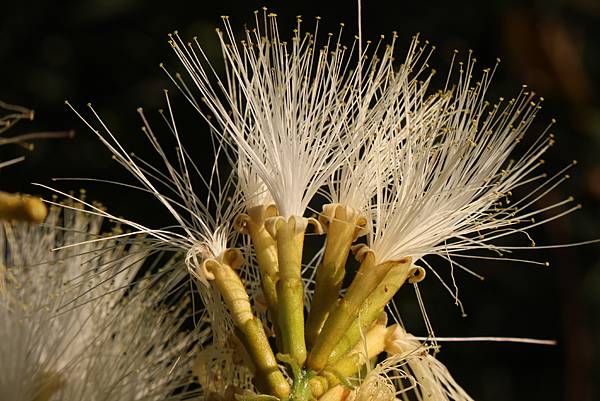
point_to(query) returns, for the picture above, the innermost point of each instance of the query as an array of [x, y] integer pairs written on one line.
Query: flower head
[[74, 323], [423, 172], [452, 178], [203, 227], [290, 109]]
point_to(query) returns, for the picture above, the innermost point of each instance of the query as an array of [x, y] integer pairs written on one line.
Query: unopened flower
[[409, 370]]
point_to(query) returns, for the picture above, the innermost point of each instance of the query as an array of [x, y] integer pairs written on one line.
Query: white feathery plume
[[203, 227], [452, 178], [384, 116], [285, 106], [74, 326]]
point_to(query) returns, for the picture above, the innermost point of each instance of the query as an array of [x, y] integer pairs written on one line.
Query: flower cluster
[[401, 172]]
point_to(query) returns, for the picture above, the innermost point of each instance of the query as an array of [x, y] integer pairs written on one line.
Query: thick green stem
[[253, 336], [367, 278], [343, 225], [290, 289], [300, 387], [266, 255], [371, 309], [257, 345]]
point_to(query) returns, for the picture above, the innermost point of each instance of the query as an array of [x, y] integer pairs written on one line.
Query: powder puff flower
[[297, 115], [419, 172], [452, 182], [401, 107], [286, 110], [75, 326], [204, 231], [447, 193]]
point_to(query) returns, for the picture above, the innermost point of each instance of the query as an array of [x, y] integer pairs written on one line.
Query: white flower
[[73, 326], [204, 231], [204, 227], [431, 172], [386, 114], [287, 108], [452, 178]]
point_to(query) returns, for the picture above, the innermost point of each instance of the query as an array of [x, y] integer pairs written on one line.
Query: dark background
[[108, 51]]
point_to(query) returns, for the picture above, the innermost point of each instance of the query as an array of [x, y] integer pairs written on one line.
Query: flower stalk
[[231, 288], [265, 247], [343, 225], [368, 277], [289, 235]]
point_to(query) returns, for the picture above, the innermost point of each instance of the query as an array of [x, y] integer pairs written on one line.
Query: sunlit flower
[[286, 107], [420, 172], [452, 180]]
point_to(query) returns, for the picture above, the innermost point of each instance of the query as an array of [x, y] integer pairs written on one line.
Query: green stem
[[367, 278], [290, 289], [300, 388], [253, 336], [341, 233], [266, 256], [371, 309]]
